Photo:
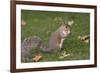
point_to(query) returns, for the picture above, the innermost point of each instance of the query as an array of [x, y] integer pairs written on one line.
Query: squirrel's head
[[66, 28]]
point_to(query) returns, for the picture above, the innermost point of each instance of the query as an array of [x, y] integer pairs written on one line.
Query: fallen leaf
[[86, 41], [37, 58], [79, 37], [61, 57], [85, 37], [64, 55], [23, 23]]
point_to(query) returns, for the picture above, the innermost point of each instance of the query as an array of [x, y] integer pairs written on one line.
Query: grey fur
[[28, 44], [55, 42]]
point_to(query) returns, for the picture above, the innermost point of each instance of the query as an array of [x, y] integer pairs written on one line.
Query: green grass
[[43, 23]]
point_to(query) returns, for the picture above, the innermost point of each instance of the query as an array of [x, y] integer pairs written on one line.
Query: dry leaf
[[70, 22], [79, 37], [84, 38], [86, 41], [37, 58], [61, 57], [64, 55], [23, 23]]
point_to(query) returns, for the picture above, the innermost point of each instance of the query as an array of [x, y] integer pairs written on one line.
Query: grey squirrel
[[55, 41]]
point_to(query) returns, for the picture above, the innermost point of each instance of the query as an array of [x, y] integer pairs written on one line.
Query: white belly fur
[[60, 45]]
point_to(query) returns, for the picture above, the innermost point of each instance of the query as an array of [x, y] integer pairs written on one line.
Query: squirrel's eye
[[66, 26]]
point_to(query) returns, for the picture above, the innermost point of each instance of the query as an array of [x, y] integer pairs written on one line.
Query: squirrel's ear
[[70, 22], [65, 22], [61, 21]]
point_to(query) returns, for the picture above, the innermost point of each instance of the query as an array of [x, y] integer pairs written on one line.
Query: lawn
[[43, 23]]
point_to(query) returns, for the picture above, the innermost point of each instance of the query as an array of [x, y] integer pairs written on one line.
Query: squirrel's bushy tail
[[29, 43]]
